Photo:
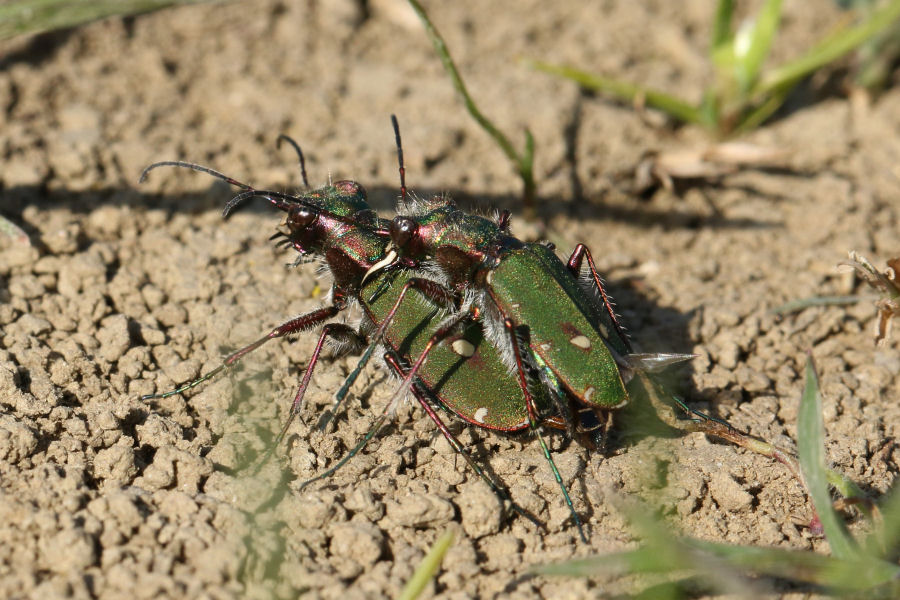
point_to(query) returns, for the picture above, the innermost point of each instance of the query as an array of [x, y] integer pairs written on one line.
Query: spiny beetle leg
[[533, 420], [578, 255], [423, 398], [332, 330], [430, 289], [353, 452], [295, 325]]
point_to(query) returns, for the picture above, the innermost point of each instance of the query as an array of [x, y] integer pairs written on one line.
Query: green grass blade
[[20, 17], [660, 553], [524, 162], [626, 91], [845, 487], [761, 113], [811, 446], [644, 560], [884, 539], [829, 50], [721, 33], [700, 556], [763, 32], [853, 574], [427, 568]]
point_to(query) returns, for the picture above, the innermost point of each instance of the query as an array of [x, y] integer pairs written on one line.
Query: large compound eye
[[402, 231], [301, 217]]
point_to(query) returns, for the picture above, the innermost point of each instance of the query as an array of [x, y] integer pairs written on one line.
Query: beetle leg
[[331, 330], [423, 398], [578, 255], [533, 422], [432, 290], [295, 325]]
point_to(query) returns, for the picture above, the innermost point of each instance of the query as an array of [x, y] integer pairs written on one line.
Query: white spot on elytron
[[588, 393], [603, 330], [490, 277], [480, 414], [581, 341], [463, 348], [546, 347], [515, 305]]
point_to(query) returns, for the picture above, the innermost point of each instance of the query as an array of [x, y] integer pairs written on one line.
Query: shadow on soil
[[382, 198]]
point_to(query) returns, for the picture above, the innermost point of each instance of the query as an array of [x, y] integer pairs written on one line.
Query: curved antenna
[[290, 140], [195, 167], [399, 157], [280, 200]]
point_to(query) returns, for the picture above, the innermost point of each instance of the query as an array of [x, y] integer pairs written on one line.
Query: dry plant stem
[[523, 162], [665, 412]]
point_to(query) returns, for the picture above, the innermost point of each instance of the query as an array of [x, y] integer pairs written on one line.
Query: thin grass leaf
[[848, 574], [758, 115], [661, 553], [884, 540], [427, 568], [811, 446], [644, 560], [668, 590], [721, 32], [803, 303], [749, 62], [700, 556], [524, 163], [21, 17], [845, 486], [828, 50], [626, 91]]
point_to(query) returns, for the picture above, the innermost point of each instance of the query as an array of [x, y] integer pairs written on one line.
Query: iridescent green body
[[531, 286], [571, 332], [464, 373]]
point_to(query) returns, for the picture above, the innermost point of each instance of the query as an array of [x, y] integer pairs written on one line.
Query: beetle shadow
[[14, 200]]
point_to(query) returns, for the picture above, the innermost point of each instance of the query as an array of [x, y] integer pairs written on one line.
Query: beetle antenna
[[290, 140], [195, 167], [399, 157]]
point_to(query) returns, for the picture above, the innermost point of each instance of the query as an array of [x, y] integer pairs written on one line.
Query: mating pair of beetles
[[477, 324]]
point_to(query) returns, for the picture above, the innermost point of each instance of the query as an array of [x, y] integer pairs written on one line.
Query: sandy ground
[[124, 290]]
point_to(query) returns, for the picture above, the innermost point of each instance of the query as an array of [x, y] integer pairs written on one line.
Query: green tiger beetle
[[539, 312], [464, 376]]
